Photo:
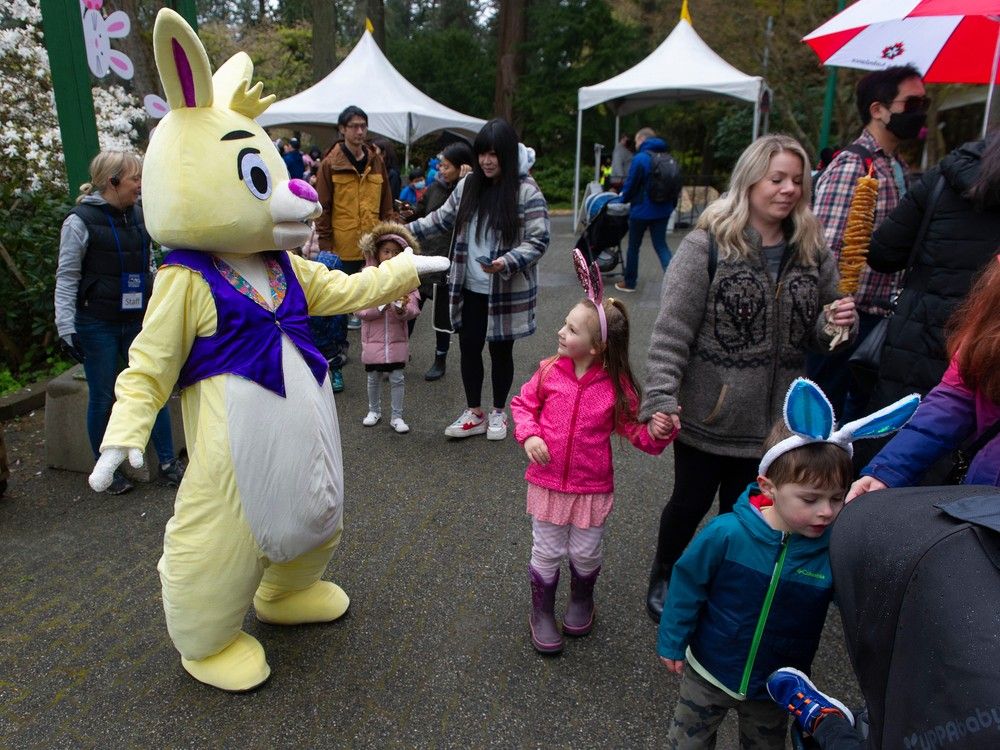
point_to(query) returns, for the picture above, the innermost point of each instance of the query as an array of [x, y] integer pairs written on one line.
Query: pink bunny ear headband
[[593, 287]]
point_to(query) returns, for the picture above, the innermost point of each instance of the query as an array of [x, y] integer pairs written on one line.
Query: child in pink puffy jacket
[[565, 416], [385, 339]]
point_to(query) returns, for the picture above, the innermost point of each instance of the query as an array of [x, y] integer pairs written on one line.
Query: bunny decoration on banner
[[809, 415], [98, 32], [593, 287]]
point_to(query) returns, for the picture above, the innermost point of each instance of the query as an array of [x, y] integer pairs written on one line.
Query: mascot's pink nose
[[302, 189]]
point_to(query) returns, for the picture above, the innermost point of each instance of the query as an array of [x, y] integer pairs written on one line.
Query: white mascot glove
[[428, 263], [111, 458]]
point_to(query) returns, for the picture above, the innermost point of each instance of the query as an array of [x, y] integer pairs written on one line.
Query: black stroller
[[605, 224]]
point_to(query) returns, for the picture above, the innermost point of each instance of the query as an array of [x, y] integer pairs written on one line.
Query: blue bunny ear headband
[[809, 416]]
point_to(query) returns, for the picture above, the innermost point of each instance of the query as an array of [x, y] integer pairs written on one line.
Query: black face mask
[[906, 125]]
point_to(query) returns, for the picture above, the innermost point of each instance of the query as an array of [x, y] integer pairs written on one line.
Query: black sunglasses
[[914, 103]]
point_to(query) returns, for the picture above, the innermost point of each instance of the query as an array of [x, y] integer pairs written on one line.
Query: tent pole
[[576, 170], [993, 83], [618, 130], [406, 158], [756, 116]]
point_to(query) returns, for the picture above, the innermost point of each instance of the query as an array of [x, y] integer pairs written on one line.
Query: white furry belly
[[287, 458]]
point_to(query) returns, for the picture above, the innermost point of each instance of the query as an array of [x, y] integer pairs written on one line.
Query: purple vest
[[247, 340]]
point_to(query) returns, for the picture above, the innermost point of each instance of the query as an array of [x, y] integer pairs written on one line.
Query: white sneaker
[[399, 425], [371, 419], [497, 429], [468, 424]]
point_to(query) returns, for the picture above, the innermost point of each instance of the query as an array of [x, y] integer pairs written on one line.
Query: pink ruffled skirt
[[566, 509]]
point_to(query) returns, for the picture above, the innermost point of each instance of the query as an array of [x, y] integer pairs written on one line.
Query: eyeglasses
[[914, 103], [356, 126]]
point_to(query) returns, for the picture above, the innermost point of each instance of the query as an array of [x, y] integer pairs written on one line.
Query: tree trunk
[[375, 10], [324, 38], [510, 56]]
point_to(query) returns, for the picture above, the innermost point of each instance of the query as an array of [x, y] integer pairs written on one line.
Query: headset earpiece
[[115, 181]]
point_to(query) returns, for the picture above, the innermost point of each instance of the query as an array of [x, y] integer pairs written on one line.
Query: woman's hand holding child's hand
[[661, 426], [537, 450], [674, 665]]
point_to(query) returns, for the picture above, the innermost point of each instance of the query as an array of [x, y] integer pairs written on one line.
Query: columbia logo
[[810, 574]]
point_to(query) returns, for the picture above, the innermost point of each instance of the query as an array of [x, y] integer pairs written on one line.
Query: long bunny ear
[[808, 411], [184, 69], [583, 273], [883, 422]]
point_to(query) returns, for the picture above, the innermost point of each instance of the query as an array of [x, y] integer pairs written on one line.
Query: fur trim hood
[[370, 239]]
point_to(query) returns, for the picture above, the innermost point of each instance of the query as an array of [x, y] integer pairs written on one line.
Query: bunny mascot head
[[809, 416], [259, 512]]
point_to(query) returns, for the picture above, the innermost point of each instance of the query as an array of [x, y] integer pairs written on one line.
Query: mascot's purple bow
[[593, 287]]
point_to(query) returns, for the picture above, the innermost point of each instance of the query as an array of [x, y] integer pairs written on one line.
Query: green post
[[63, 29], [831, 93], [188, 9]]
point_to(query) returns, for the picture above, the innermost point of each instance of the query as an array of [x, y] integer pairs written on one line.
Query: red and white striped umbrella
[[948, 41]]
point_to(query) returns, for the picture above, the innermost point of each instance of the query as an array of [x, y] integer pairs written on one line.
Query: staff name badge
[[131, 292]]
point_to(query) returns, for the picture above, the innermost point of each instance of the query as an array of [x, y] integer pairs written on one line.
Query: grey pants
[[395, 389], [702, 707]]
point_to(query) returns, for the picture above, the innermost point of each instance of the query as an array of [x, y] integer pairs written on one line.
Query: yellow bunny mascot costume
[[259, 512]]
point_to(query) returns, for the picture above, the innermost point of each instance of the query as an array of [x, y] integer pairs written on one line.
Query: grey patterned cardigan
[[727, 348], [514, 291]]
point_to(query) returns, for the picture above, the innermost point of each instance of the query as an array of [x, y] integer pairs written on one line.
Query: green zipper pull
[[764, 612]]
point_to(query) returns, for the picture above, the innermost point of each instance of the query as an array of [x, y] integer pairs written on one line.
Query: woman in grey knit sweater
[[747, 294]]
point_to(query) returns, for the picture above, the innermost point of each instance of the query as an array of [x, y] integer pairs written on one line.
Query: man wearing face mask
[[892, 104]]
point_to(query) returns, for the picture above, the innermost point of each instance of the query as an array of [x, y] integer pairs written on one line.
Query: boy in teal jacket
[[750, 594]]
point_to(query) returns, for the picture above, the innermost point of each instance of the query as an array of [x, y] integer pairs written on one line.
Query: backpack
[[665, 182]]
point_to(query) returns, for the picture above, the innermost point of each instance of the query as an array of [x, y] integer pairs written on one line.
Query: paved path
[[434, 651]]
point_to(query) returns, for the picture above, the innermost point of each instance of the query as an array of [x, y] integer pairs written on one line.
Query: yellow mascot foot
[[240, 666], [322, 602]]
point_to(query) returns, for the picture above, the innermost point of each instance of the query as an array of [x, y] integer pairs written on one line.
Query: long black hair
[[494, 204], [986, 188]]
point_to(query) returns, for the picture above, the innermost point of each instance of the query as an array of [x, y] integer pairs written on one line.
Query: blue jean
[[105, 348], [658, 233]]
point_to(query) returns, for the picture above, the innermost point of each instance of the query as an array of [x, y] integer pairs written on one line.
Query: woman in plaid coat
[[499, 223]]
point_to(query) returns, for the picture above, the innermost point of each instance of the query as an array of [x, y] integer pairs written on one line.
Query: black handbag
[[441, 308], [867, 357]]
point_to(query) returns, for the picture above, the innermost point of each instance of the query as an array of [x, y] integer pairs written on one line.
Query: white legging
[[395, 389], [553, 542]]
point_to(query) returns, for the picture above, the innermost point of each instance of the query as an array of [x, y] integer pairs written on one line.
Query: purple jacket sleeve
[[943, 421]]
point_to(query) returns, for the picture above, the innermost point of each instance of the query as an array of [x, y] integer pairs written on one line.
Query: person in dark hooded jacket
[[963, 234]]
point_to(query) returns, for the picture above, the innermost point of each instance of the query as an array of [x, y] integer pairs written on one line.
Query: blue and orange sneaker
[[790, 688], [337, 380]]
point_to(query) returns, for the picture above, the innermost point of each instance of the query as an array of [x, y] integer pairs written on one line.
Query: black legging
[[697, 477], [471, 338]]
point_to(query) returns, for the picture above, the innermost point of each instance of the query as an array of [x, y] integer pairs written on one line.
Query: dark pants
[[442, 340], [836, 733], [351, 267], [832, 373], [697, 477], [471, 339], [105, 346], [657, 233]]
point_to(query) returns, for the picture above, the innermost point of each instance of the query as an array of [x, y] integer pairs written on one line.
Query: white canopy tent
[[682, 67], [395, 107]]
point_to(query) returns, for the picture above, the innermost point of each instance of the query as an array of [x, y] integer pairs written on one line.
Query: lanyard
[[144, 269]]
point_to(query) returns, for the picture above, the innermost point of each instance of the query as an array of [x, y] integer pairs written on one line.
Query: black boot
[[656, 594], [437, 369]]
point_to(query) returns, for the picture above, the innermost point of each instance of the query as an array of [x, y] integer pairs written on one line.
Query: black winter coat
[[959, 242]]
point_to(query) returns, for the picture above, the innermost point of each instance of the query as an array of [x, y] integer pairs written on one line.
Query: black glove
[[70, 346]]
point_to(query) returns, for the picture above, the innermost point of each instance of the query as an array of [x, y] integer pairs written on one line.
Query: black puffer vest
[[100, 291]]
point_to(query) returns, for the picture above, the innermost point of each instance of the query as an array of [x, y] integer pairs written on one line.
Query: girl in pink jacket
[[565, 416], [385, 338]]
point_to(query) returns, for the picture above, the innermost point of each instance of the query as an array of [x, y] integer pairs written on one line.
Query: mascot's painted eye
[[254, 173]]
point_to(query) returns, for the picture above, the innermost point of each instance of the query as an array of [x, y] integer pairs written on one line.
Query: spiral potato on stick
[[858, 232]]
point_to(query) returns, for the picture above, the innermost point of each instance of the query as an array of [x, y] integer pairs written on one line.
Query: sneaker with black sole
[[468, 424], [497, 427], [119, 484], [793, 690], [173, 472]]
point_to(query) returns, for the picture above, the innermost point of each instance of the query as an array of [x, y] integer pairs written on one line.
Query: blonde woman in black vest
[[103, 282]]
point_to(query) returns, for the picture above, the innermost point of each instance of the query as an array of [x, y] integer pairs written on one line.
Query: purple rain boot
[[579, 618], [545, 635]]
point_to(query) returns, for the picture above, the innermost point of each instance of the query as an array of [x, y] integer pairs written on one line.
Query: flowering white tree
[[31, 157]]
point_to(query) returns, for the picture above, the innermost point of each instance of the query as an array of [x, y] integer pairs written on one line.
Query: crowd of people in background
[[748, 304]]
